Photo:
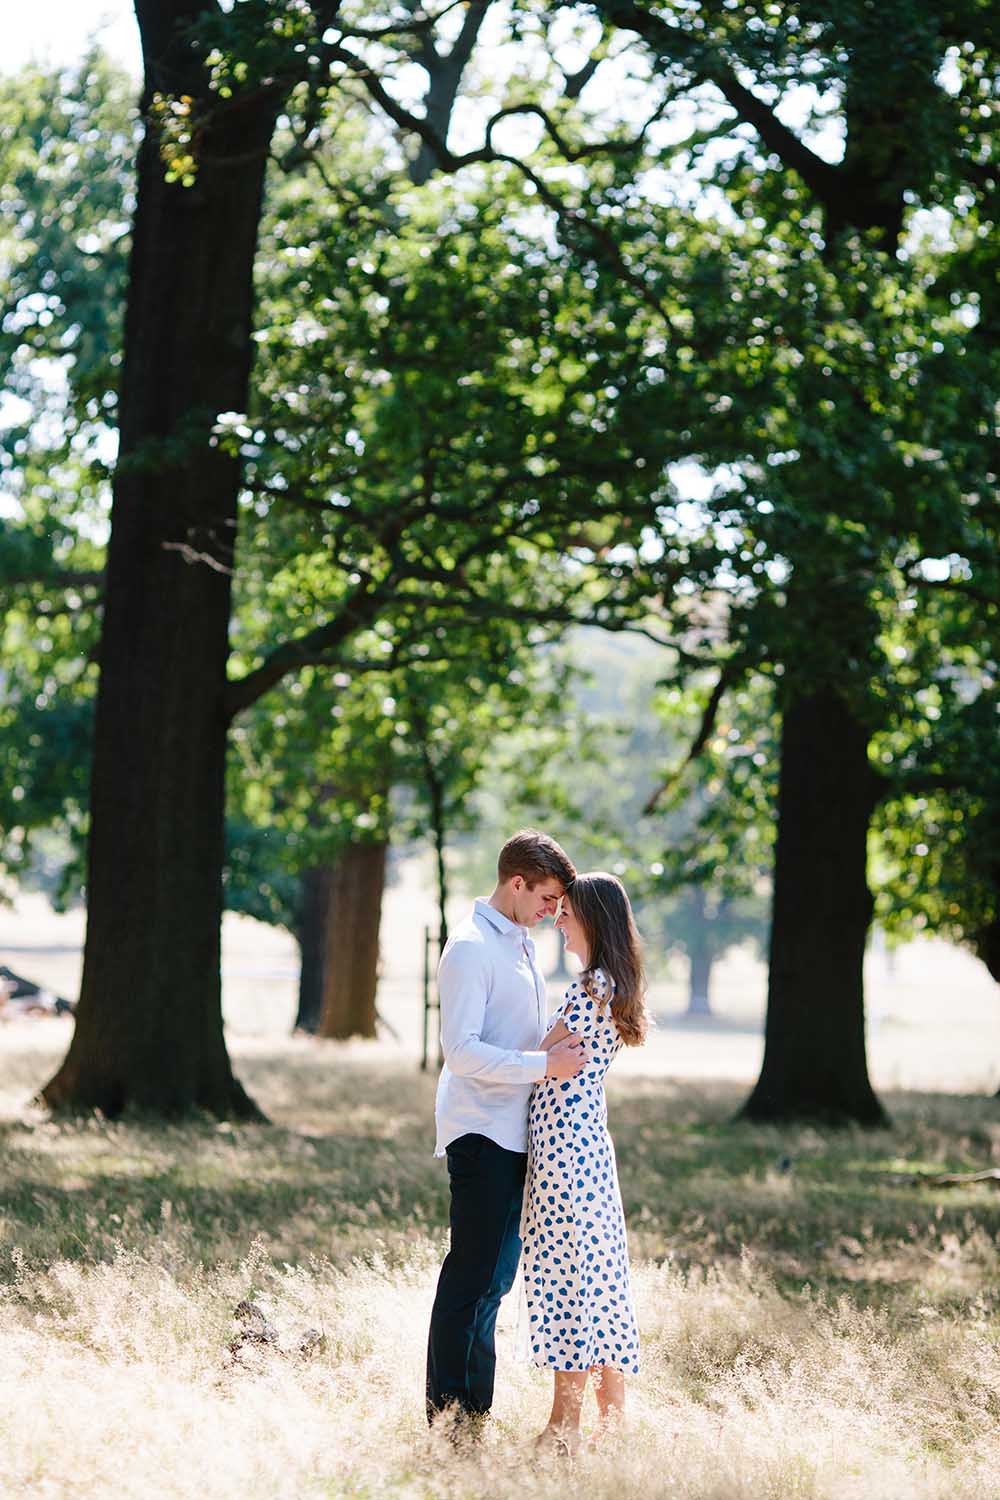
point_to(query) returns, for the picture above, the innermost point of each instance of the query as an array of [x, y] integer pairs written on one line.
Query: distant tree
[[472, 577], [696, 864], [712, 819], [330, 774], [310, 774]]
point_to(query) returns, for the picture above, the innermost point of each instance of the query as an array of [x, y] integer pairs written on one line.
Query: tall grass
[[811, 1327]]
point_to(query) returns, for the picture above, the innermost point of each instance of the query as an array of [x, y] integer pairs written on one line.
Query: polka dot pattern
[[578, 1292]]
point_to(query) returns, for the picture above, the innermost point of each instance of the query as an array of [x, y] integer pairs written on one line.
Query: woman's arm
[[557, 1033]]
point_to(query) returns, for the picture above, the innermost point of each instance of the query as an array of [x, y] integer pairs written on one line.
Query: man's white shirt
[[492, 1020]]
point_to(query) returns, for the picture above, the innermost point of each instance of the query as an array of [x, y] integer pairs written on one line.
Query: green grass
[[814, 1329]]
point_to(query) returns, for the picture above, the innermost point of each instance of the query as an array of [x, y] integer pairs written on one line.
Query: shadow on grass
[[346, 1170]]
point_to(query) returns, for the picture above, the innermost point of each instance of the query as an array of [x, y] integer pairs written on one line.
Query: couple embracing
[[522, 1120]]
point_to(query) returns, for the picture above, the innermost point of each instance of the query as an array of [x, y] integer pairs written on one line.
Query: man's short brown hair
[[536, 857]]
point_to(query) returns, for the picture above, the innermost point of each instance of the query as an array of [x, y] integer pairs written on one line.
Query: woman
[[579, 1301]]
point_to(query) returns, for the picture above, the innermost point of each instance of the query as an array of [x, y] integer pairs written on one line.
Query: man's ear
[[517, 884]]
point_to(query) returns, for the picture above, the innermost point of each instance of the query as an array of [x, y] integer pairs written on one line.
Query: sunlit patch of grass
[[813, 1327]]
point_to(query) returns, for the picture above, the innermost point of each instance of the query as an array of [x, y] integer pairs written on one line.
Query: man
[[493, 1016]]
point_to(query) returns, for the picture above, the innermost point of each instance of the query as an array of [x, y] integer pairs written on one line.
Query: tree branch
[[419, 26], [921, 781], [731, 672], [820, 176], [448, 161], [575, 83], [445, 77], [311, 649]]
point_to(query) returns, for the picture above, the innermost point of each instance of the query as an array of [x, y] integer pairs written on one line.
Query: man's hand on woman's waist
[[566, 1058]]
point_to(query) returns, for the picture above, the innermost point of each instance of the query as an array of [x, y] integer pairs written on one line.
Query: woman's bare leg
[[562, 1434], [609, 1388]]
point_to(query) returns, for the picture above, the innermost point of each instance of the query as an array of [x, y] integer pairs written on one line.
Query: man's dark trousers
[[487, 1183]]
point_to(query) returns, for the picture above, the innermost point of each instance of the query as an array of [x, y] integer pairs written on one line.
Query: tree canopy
[[687, 329]]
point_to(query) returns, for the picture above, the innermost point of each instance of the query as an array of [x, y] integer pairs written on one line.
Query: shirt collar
[[499, 922]]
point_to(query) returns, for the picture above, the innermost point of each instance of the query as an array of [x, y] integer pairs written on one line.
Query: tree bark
[[149, 1025], [314, 901], [987, 939], [353, 914], [814, 1054]]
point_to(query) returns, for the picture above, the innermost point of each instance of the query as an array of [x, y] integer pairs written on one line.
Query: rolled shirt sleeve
[[463, 991]]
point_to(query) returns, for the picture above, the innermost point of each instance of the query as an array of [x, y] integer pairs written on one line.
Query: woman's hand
[[558, 1033]]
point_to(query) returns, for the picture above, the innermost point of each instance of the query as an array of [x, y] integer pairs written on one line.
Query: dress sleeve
[[581, 1013]]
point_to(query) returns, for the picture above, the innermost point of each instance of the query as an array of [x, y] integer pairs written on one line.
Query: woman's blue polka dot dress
[[579, 1297]]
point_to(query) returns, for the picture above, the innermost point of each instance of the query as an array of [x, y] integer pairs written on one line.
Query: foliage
[[416, 545], [67, 140], [697, 864], [450, 599], [477, 440], [831, 367], [467, 397]]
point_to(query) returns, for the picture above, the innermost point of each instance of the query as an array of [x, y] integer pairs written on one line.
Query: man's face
[[532, 903]]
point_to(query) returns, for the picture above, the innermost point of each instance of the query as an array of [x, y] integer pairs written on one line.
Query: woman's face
[[571, 927]]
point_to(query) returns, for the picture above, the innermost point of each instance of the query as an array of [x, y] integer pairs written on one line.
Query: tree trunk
[[351, 950], [149, 1024], [444, 73], [313, 904], [700, 960], [987, 940], [700, 957], [814, 1055]]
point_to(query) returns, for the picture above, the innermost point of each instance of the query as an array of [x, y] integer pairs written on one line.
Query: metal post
[[430, 1004], [427, 997], [437, 1000]]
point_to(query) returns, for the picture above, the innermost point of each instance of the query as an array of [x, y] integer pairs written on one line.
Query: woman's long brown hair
[[613, 945]]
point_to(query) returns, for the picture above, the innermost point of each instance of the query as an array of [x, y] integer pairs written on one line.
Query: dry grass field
[[811, 1327], [814, 1327]]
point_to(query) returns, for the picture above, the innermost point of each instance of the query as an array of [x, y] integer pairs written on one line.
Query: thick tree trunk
[[149, 1026], [814, 1056], [351, 948], [314, 903], [987, 940]]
